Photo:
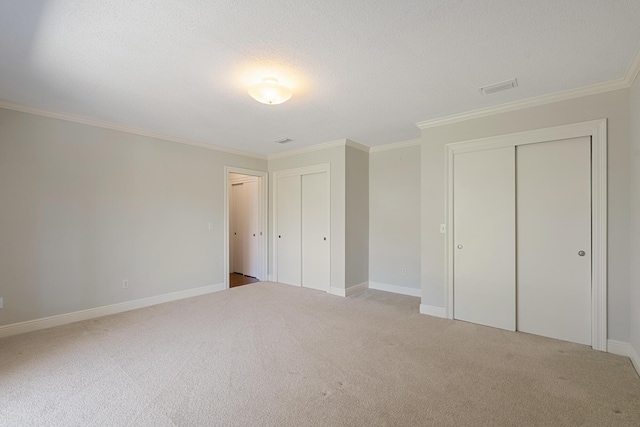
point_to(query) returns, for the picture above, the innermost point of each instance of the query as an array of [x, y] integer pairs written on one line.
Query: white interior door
[[288, 230], [554, 239], [250, 208], [237, 238], [315, 231], [484, 235]]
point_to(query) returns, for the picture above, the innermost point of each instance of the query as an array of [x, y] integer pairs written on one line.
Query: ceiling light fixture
[[270, 92]]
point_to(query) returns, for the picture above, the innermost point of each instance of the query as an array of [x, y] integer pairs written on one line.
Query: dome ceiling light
[[270, 92]]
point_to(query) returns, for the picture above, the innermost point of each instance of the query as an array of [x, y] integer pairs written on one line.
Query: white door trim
[[324, 167], [597, 130], [264, 247], [243, 179]]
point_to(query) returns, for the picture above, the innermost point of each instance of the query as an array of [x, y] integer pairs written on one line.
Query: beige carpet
[[270, 354]]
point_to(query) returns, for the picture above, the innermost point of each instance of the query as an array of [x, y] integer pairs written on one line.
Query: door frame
[[320, 168], [597, 130], [262, 215]]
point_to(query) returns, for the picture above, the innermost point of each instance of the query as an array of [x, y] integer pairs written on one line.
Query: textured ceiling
[[362, 70]]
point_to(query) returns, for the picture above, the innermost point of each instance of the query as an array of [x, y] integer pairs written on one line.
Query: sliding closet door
[[484, 236], [288, 229], [315, 231], [554, 239], [251, 222]]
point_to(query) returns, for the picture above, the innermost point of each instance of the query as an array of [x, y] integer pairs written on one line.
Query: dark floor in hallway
[[237, 279]]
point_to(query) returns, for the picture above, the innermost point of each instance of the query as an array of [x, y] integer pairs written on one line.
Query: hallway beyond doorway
[[237, 279]]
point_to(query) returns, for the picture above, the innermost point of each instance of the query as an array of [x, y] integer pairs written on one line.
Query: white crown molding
[[310, 149], [317, 147], [92, 313], [112, 126], [623, 83], [355, 145], [527, 103], [633, 70], [396, 145]]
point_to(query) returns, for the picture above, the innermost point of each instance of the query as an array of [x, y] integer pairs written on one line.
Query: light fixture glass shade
[[270, 92]]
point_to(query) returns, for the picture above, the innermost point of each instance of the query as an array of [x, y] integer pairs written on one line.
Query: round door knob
[[582, 253], [459, 246], [279, 237], [254, 234], [325, 238]]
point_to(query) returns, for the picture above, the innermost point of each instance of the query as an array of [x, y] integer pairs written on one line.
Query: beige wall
[[394, 217], [357, 216], [83, 208], [612, 105], [635, 216], [336, 157]]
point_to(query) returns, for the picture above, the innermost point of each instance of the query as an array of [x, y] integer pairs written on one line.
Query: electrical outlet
[[210, 226], [443, 229], [125, 283], [404, 271]]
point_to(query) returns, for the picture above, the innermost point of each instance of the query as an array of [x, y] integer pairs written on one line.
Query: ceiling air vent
[[497, 87], [284, 141]]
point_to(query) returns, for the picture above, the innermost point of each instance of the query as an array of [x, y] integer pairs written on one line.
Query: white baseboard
[[635, 359], [414, 292], [618, 347], [92, 313], [360, 287], [432, 311], [624, 349], [352, 290], [338, 292]]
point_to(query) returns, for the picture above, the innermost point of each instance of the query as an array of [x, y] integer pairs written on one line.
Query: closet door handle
[[582, 253], [279, 237], [325, 238]]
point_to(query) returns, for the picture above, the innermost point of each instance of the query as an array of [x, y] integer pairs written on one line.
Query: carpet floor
[[276, 355]]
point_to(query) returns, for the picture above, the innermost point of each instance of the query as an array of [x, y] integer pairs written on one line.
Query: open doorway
[[245, 226]]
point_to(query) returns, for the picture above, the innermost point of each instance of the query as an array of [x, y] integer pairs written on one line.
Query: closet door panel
[[288, 232], [251, 253], [484, 236], [315, 231], [554, 225]]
